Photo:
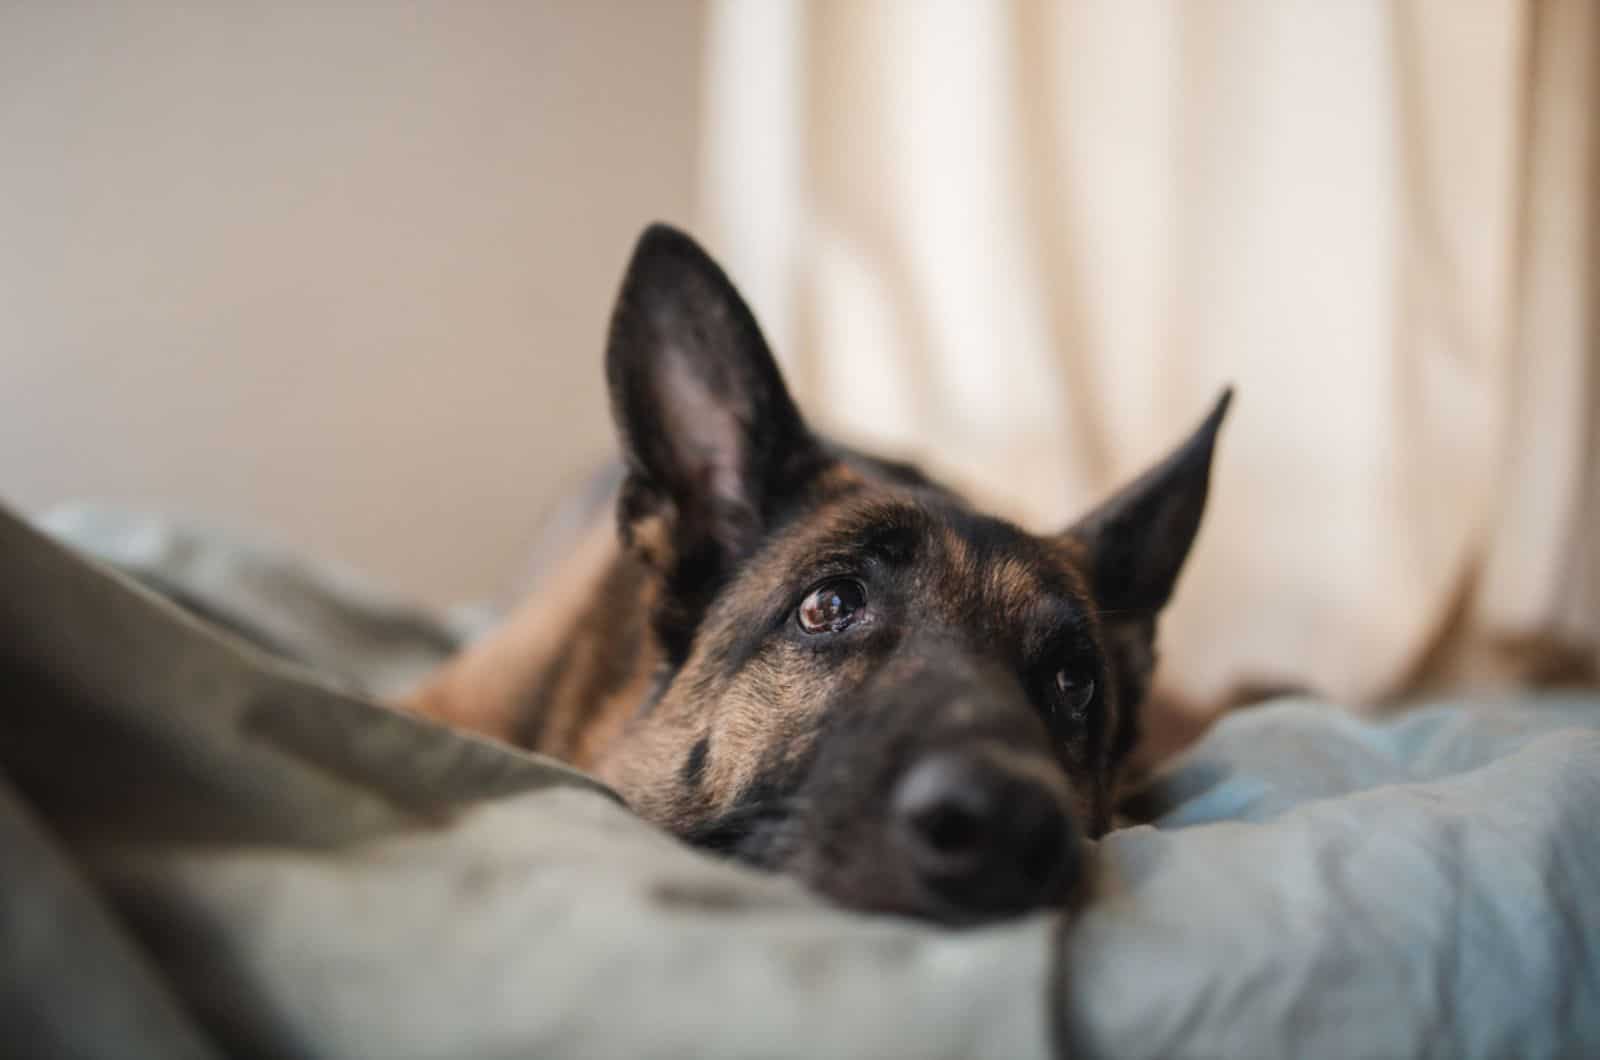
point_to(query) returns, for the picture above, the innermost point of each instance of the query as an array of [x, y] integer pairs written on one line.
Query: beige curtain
[[1027, 243]]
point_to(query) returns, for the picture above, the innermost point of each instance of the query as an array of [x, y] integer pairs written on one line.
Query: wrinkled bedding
[[207, 848]]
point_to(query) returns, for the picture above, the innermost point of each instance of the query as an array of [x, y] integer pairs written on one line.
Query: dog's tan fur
[[508, 685]]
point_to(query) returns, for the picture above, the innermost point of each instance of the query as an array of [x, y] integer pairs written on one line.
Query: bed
[[214, 842]]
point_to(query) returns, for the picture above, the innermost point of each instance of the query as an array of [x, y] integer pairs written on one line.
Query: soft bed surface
[[207, 851]]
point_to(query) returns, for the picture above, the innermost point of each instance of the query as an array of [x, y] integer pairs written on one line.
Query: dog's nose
[[984, 838]]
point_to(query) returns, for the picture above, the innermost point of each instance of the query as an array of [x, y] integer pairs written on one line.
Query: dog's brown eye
[[832, 606], [1077, 692]]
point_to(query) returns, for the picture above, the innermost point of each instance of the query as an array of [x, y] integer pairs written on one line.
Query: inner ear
[[1135, 543], [712, 439]]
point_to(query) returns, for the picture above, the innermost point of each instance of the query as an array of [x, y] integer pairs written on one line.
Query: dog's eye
[[1077, 692], [832, 606]]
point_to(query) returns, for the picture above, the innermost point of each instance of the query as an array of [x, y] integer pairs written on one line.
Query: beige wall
[[338, 273]]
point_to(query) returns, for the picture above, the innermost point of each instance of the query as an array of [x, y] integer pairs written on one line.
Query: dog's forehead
[[958, 557]]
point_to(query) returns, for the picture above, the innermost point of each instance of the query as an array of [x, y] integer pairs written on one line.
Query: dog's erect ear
[[712, 439], [1134, 544]]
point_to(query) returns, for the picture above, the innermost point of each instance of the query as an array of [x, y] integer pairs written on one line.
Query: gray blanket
[[208, 850]]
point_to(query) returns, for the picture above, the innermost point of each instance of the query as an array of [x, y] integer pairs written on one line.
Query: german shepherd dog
[[823, 663]]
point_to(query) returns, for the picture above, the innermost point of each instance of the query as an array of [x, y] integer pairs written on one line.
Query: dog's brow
[[1057, 624], [889, 533], [894, 544]]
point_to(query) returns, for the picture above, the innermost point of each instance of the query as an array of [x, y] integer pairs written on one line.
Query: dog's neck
[[566, 671]]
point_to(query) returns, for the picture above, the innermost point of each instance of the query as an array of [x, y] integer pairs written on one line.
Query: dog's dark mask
[[908, 704]]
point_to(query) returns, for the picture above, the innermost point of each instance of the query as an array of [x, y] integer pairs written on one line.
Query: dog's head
[[910, 705]]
